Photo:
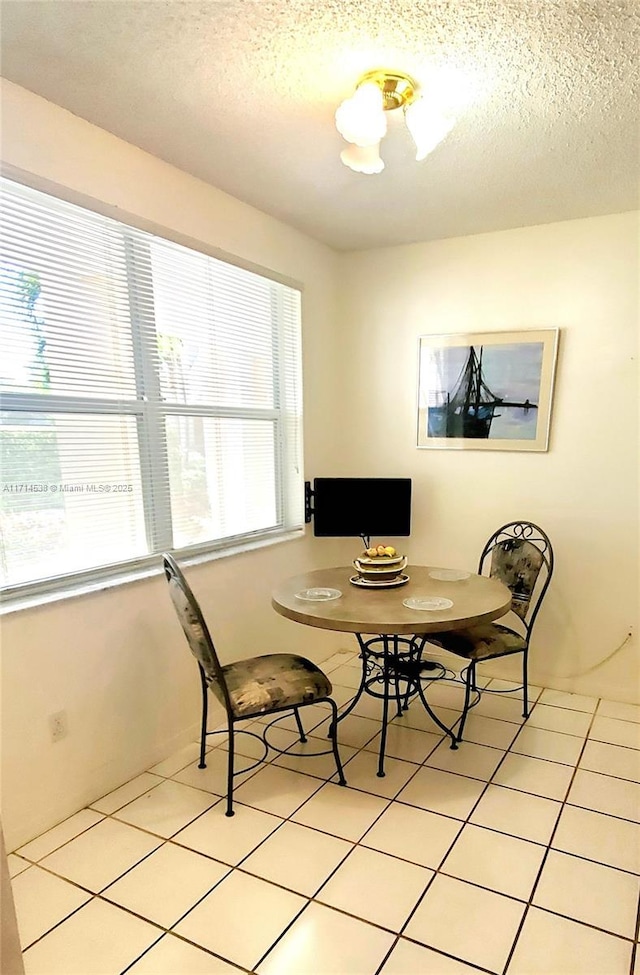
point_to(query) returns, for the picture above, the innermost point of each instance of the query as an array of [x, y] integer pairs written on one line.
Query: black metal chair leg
[[303, 737], [203, 726], [385, 707], [229, 811], [525, 686], [469, 676], [333, 731]]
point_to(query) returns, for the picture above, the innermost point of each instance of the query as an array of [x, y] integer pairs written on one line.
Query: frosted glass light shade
[[361, 119], [427, 126], [363, 159]]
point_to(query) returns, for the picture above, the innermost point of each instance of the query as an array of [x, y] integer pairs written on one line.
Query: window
[[150, 397]]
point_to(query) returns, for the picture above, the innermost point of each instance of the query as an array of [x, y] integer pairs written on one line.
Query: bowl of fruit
[[381, 563]]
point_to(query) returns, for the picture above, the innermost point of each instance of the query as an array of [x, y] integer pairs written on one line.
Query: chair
[[260, 685], [520, 555]]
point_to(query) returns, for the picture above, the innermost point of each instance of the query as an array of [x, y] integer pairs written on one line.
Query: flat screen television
[[361, 506]]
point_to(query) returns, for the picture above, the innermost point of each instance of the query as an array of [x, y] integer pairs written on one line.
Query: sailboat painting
[[488, 390]]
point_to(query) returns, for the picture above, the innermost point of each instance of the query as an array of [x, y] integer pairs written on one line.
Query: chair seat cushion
[[480, 642], [271, 681]]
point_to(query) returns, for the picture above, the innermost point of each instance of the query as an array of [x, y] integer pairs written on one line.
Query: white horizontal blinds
[[71, 495], [64, 310], [151, 395], [222, 477], [71, 492], [215, 329], [222, 352]]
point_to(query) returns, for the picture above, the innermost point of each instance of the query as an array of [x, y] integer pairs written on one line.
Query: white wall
[[117, 661], [580, 276]]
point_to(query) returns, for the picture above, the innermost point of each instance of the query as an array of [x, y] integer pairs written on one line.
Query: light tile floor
[[519, 853]]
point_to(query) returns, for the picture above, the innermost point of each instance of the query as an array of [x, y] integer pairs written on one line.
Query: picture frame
[[486, 390]]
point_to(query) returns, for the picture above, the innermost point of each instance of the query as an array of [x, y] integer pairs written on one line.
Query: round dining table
[[390, 633]]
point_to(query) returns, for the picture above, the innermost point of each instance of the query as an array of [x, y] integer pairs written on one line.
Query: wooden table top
[[381, 611]]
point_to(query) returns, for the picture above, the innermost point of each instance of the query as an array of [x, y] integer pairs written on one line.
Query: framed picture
[[486, 390]]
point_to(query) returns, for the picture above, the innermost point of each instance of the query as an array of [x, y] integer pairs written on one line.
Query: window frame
[[150, 413]]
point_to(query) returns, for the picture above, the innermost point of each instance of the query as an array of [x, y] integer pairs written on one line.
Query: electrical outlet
[[58, 726]]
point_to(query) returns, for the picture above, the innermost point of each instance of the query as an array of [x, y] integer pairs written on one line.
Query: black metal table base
[[392, 669]]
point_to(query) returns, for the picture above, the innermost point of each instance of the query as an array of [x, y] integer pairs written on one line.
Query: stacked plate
[[382, 571]]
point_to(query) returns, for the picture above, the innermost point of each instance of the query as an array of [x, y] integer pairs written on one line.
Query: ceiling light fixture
[[361, 119]]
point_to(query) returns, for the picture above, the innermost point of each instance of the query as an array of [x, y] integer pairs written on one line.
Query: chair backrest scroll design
[[521, 557]]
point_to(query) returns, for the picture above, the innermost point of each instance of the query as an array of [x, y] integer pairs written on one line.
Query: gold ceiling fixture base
[[398, 89], [361, 119]]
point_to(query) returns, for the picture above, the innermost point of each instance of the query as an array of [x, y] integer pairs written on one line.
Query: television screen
[[345, 506]]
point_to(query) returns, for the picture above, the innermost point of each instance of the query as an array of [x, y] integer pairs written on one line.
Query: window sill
[[21, 603]]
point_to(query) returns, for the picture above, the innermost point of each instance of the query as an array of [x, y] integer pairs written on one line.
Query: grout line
[[388, 803], [438, 951], [613, 717], [91, 806], [546, 855], [355, 844], [61, 921], [636, 949], [585, 924], [548, 845], [186, 941], [448, 851], [231, 867]]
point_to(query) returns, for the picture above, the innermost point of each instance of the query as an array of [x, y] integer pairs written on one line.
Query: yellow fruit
[[389, 550], [381, 550], [372, 552]]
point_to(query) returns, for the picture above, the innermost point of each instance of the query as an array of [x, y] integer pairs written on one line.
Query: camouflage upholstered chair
[[248, 688], [520, 555]]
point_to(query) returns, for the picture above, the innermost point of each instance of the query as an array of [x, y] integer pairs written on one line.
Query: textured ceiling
[[242, 95]]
